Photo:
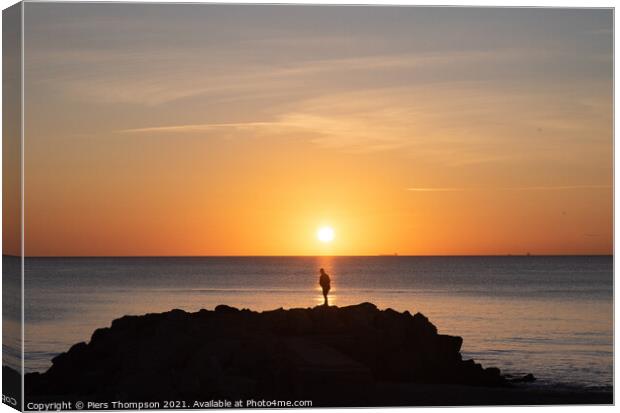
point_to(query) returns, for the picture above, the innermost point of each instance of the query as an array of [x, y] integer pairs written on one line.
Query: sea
[[551, 316]]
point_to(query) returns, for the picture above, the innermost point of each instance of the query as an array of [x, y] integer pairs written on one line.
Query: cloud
[[515, 188], [437, 189], [205, 127], [151, 77], [456, 125]]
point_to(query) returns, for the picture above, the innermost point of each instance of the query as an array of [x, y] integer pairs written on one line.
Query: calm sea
[[551, 316]]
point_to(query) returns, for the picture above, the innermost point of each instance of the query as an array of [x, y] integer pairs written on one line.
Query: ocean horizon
[[312, 255]]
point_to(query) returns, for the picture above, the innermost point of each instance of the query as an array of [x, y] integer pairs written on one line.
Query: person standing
[[324, 282]]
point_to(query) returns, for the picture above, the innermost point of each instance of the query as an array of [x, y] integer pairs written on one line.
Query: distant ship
[[389, 255]]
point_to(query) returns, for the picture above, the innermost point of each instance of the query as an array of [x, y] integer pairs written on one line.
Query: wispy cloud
[[205, 127], [456, 125], [514, 188], [151, 78], [435, 189], [559, 187]]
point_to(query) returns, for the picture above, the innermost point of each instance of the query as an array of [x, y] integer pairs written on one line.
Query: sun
[[325, 234]]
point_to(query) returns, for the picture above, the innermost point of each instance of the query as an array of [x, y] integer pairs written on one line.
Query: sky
[[243, 129]]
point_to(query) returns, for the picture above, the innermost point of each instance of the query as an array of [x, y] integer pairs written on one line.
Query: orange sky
[[241, 130]]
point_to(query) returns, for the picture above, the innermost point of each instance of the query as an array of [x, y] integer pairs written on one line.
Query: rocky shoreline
[[351, 356]]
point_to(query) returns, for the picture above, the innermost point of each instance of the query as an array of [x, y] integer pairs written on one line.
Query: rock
[[528, 378], [222, 308], [329, 354]]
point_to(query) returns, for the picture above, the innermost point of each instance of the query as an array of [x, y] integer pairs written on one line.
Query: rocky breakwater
[[330, 355]]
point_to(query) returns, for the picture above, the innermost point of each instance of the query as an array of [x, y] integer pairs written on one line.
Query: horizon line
[[320, 256]]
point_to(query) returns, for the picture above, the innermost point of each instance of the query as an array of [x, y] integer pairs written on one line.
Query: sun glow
[[325, 234]]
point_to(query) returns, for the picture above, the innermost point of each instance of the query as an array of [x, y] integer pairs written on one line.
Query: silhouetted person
[[324, 282]]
